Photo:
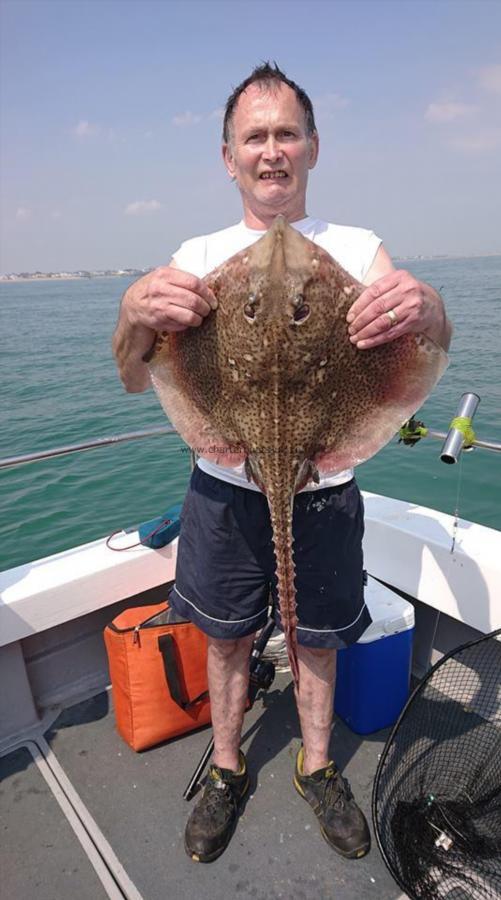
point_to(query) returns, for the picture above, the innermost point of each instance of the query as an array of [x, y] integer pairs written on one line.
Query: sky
[[111, 122]]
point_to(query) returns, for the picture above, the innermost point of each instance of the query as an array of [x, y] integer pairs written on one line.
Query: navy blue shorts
[[226, 566]]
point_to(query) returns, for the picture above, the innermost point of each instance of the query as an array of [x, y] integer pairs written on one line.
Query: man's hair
[[269, 76]]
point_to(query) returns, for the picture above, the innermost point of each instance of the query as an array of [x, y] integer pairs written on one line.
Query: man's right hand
[[166, 299]]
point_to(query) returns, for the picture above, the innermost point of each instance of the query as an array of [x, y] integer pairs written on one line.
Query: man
[[225, 559]]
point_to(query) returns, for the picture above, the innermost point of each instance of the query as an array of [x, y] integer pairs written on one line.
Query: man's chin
[[275, 188], [269, 204], [275, 199]]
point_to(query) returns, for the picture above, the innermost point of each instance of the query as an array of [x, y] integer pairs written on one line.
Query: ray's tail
[[281, 521]]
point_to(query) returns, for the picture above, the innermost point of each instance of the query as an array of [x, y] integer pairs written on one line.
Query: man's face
[[270, 153]]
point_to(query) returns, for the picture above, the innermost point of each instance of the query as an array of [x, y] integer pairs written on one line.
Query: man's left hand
[[394, 305]]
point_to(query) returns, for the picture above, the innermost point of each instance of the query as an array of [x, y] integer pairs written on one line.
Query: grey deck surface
[[40, 855], [277, 850]]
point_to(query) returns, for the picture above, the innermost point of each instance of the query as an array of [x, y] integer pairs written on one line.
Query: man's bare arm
[[417, 306], [163, 300]]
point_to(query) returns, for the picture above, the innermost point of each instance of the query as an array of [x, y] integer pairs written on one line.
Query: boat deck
[[83, 816]]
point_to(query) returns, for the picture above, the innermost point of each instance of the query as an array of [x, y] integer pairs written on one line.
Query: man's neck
[[261, 221]]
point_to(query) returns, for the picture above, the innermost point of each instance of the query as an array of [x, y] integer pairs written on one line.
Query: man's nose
[[272, 149]]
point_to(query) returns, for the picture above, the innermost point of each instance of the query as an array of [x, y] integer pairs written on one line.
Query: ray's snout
[[281, 242]]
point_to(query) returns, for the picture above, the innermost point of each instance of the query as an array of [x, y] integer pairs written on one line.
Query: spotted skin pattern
[[271, 378]]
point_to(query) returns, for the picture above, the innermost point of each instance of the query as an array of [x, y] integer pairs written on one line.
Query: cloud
[[85, 129], [142, 207], [447, 111], [23, 213], [490, 78], [56, 214], [480, 142], [326, 105], [186, 119]]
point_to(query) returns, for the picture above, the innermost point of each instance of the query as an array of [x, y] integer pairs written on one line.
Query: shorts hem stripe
[[332, 630], [220, 621]]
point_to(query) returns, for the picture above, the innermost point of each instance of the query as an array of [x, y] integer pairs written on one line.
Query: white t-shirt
[[353, 248]]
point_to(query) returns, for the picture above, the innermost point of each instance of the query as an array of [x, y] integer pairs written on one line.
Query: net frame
[[436, 800]]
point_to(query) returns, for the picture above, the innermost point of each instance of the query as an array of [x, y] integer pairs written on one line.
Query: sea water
[[59, 385]]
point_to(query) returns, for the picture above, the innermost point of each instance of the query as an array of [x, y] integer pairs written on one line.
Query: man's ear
[[314, 148], [228, 159]]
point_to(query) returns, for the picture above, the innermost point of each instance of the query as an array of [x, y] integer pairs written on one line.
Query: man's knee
[[319, 653], [321, 661], [227, 649]]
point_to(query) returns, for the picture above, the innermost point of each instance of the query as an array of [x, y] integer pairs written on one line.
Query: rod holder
[[456, 437]]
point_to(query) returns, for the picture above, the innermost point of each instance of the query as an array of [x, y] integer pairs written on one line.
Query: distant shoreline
[[440, 257], [137, 273], [7, 279], [16, 278]]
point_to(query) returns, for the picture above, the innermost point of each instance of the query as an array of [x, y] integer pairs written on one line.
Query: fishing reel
[[411, 432], [260, 679]]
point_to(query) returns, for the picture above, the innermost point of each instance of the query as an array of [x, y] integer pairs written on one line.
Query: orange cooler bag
[[158, 671]]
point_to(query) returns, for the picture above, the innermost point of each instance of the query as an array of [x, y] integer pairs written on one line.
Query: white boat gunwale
[[464, 584]]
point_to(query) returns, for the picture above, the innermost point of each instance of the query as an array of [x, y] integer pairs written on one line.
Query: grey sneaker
[[342, 822], [212, 821]]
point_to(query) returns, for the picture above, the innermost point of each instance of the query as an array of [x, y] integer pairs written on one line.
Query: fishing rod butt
[[460, 435]]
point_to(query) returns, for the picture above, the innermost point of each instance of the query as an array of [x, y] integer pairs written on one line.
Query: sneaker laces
[[337, 790], [214, 795], [218, 793]]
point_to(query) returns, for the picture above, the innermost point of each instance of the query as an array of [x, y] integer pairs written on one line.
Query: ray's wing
[[188, 371], [383, 387], [175, 375]]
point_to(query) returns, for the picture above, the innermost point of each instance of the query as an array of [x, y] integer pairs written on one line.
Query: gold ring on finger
[[392, 317]]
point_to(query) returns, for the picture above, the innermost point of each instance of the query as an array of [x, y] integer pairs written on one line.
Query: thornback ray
[[270, 378]]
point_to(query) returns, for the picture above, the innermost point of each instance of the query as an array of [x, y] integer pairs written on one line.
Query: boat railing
[[96, 443], [93, 444]]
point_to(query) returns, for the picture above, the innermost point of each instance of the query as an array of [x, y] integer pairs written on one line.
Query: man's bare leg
[[211, 822], [315, 703], [342, 822], [228, 673]]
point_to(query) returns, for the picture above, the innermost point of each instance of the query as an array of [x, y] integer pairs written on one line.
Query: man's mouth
[[274, 175]]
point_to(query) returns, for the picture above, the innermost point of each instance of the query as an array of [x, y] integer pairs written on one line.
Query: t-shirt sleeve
[[191, 256], [352, 247], [371, 246]]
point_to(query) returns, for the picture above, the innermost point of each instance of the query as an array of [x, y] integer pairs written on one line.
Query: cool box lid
[[390, 613]]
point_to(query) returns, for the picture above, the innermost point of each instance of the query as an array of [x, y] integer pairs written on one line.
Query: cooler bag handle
[[166, 645]]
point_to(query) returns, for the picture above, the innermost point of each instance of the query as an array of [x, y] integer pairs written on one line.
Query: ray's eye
[[250, 307], [298, 301], [301, 313]]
